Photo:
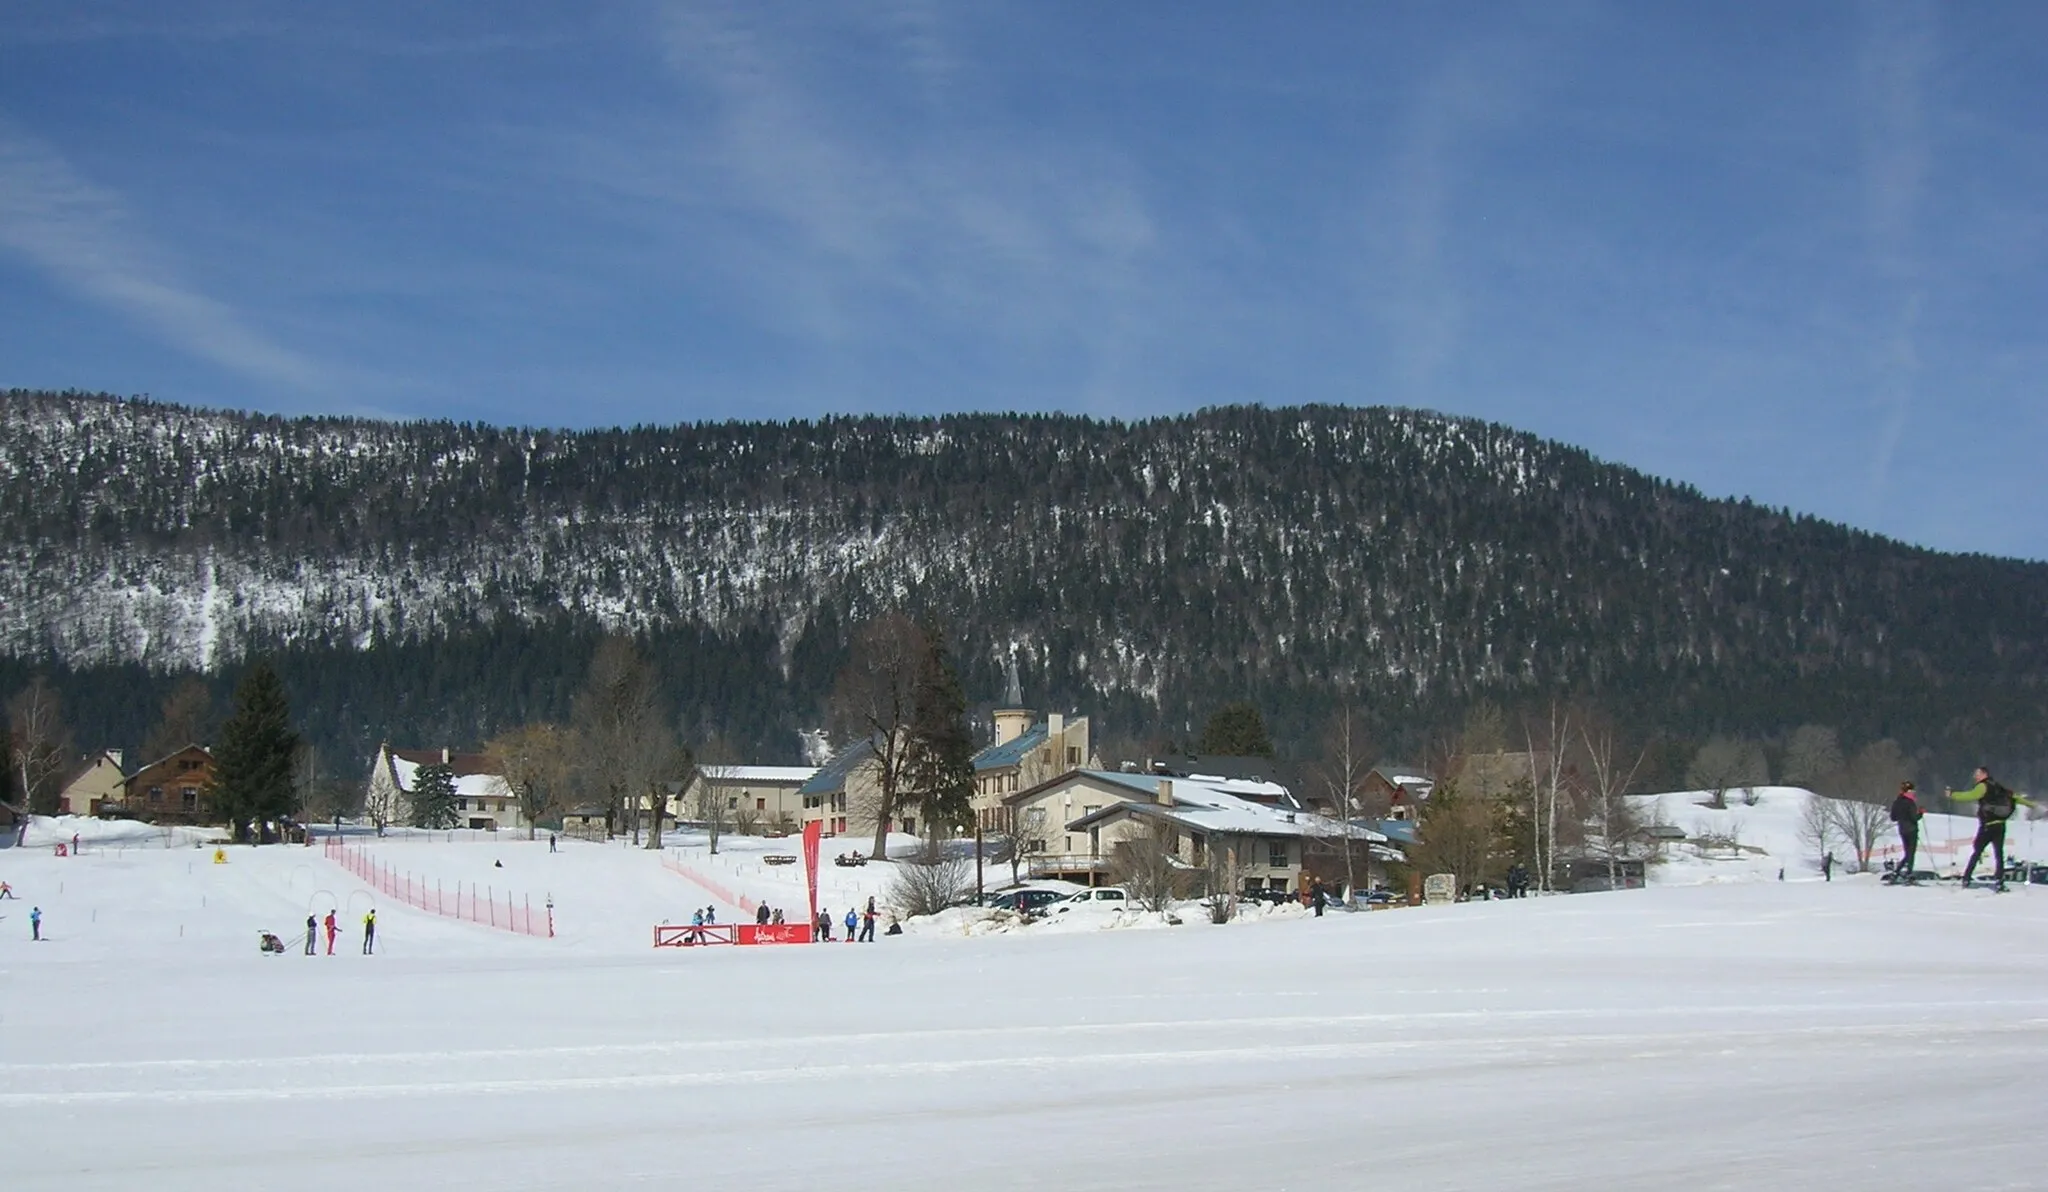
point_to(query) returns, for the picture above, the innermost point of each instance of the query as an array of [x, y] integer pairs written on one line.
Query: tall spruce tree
[[940, 769], [252, 780], [1237, 730], [433, 797]]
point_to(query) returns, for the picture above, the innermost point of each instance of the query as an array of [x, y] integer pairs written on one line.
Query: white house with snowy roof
[[1071, 826], [483, 799]]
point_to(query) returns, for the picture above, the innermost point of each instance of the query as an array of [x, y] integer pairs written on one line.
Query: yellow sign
[[220, 856]]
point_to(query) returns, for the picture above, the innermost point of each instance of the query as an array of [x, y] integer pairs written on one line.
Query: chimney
[[1166, 792], [114, 756], [444, 755], [1055, 724]]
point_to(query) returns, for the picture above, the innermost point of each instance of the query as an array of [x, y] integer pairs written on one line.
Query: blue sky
[[1794, 252]]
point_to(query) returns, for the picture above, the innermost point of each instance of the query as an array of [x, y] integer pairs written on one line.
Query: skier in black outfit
[[312, 930], [1995, 804], [1906, 813]]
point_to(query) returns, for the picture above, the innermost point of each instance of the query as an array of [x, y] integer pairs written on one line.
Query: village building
[[483, 799], [760, 799], [1399, 789], [172, 788], [1069, 827], [96, 784]]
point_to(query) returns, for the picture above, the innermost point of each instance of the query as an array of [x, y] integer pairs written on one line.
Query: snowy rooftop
[[767, 775], [1227, 806]]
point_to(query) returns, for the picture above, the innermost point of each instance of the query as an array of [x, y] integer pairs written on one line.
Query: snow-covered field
[[1754, 1035], [1764, 824]]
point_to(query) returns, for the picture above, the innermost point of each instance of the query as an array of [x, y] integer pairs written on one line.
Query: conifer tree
[[253, 765], [941, 755], [433, 797], [1237, 730]]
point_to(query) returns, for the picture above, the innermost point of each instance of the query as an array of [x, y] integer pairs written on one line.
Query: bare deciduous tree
[[533, 759], [186, 718], [875, 697], [1618, 833], [1548, 742], [1727, 763], [42, 745], [1146, 865], [1347, 760], [929, 883], [619, 731], [1813, 758], [1224, 880]]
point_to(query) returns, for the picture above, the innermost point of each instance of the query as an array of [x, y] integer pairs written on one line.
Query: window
[[189, 797], [1073, 755], [910, 825], [732, 803], [1070, 844], [156, 796], [463, 805], [1276, 854], [1045, 756], [760, 805]]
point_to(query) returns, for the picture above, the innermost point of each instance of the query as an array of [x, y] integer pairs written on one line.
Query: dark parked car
[[1026, 900]]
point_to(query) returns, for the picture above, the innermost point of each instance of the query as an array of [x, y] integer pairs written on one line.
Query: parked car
[[1269, 897], [1029, 900], [1100, 898]]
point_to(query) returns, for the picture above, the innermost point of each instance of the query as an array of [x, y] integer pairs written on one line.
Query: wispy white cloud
[[855, 198], [84, 239], [1898, 50]]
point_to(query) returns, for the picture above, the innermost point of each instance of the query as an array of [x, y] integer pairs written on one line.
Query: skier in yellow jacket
[[1995, 805]]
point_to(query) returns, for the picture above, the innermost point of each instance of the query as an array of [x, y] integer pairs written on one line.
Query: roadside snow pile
[[981, 921], [1762, 831]]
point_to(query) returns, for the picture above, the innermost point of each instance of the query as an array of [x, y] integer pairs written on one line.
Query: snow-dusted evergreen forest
[[432, 581]]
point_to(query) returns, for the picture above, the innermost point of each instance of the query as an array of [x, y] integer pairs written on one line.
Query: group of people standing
[[314, 926], [860, 925], [1996, 804]]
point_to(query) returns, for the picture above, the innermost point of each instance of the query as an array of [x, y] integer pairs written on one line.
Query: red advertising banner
[[775, 933], [814, 833]]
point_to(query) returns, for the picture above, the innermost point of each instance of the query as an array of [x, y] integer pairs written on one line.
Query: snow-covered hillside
[[1795, 1035]]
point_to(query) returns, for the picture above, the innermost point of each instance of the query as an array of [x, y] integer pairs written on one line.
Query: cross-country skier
[[35, 923], [312, 933], [1906, 813], [1995, 803], [332, 931], [370, 932]]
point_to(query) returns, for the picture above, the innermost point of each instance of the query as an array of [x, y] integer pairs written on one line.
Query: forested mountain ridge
[[1145, 570]]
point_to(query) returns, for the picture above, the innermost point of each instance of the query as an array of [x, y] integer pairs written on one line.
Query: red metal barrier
[[512, 915], [686, 935]]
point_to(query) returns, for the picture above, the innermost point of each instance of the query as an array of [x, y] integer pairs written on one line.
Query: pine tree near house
[[433, 797], [253, 766], [940, 766]]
